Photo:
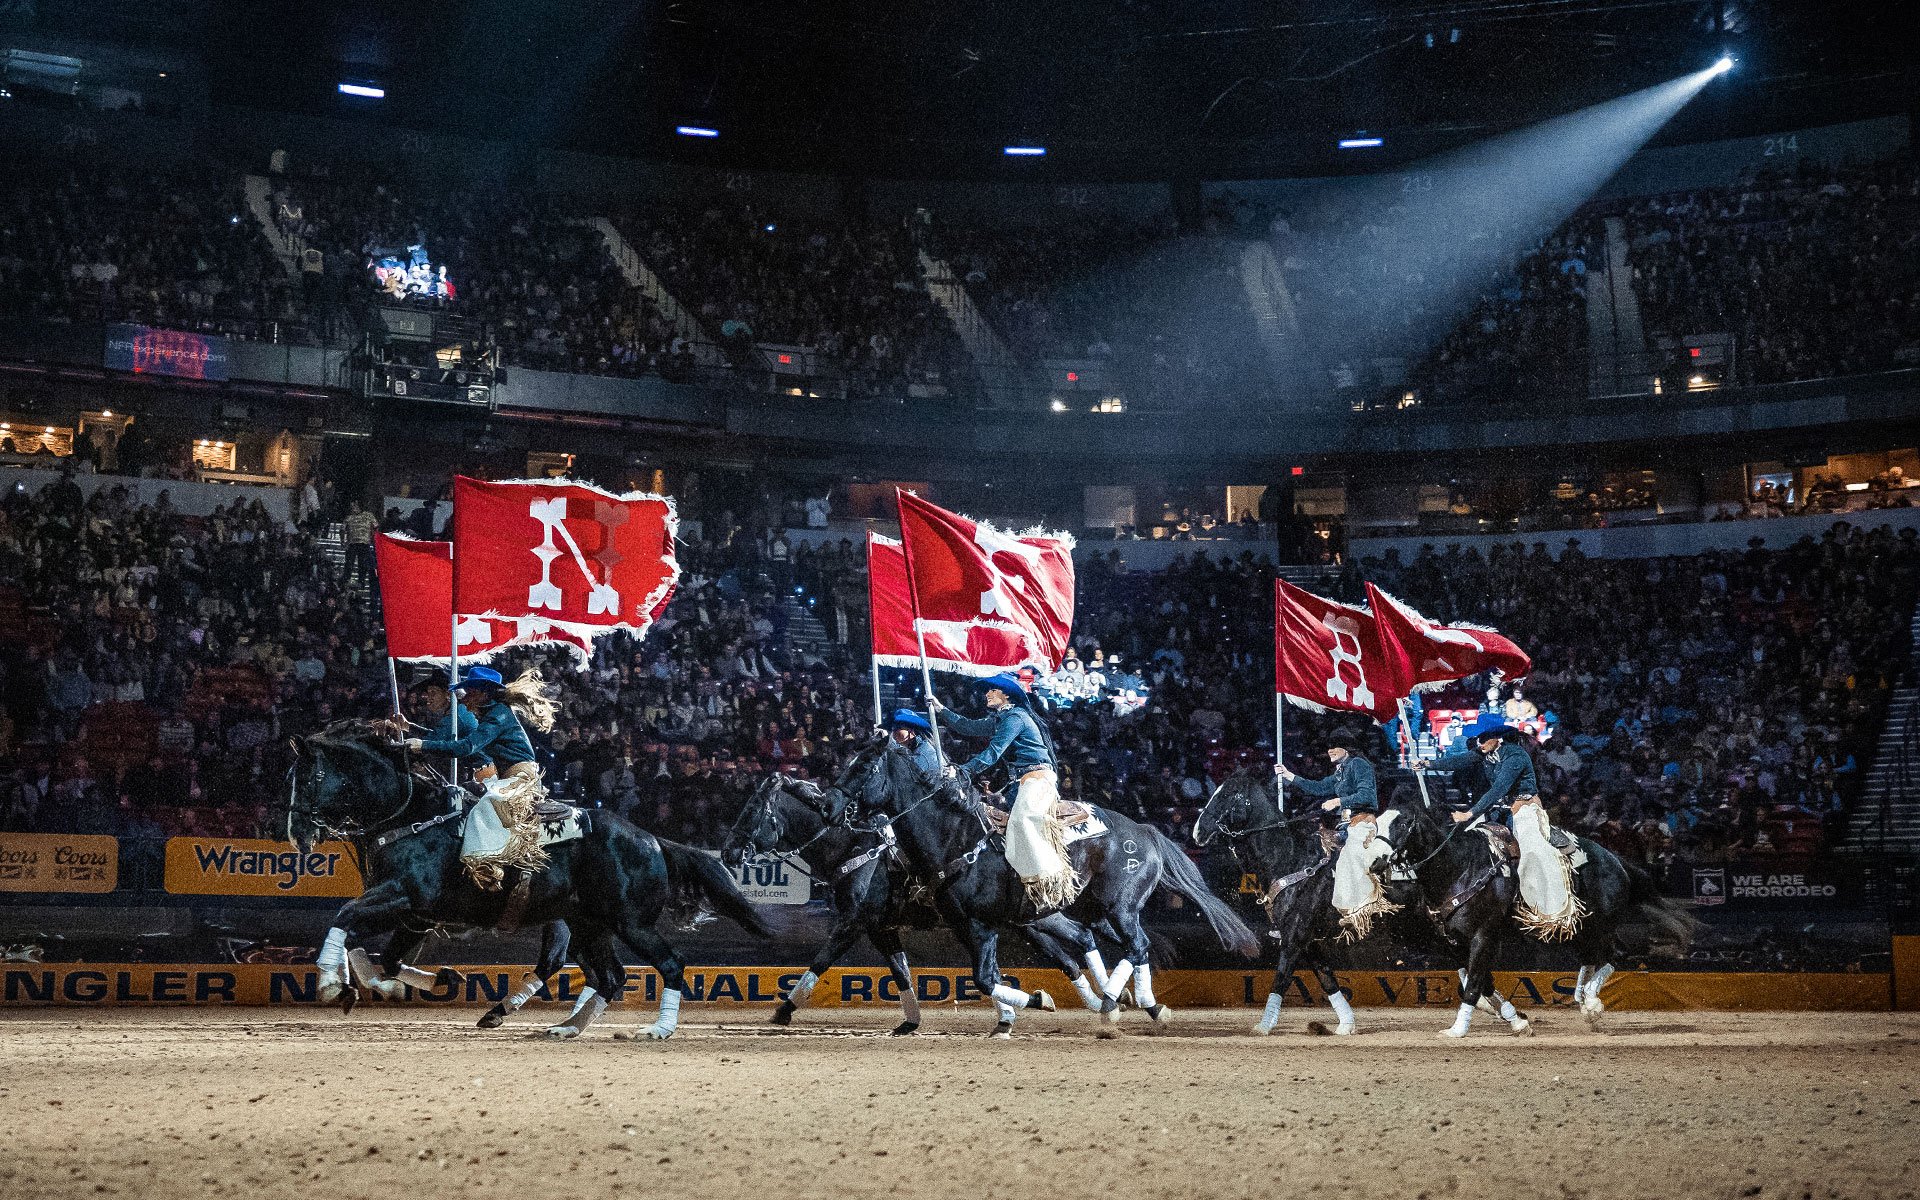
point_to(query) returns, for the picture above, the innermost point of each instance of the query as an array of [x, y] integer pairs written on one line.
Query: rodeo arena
[[734, 599]]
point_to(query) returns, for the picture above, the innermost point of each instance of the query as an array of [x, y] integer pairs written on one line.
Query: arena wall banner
[[147, 351], [54, 862], [771, 879], [25, 985], [257, 867]]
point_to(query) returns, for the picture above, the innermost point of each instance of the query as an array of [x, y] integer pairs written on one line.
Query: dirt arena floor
[[389, 1102]]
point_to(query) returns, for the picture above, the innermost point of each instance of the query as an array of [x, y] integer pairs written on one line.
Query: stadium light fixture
[[1025, 151], [1724, 65], [696, 131], [364, 90], [1361, 143]]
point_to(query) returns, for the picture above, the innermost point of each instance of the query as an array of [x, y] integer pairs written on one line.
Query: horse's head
[[1416, 826], [1244, 800], [346, 780], [760, 825]]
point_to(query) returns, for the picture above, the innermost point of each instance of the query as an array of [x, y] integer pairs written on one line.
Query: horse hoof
[[1261, 1029], [1591, 1015], [1160, 1014], [1110, 1011], [1452, 1031], [1041, 1001], [1344, 1029], [1003, 1032], [348, 998], [561, 1033], [1521, 1027], [905, 1029], [494, 1017], [784, 1014], [657, 1033]]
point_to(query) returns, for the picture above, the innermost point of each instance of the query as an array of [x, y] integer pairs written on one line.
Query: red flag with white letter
[[972, 647], [1421, 652], [965, 572], [1329, 655], [565, 553], [416, 595]]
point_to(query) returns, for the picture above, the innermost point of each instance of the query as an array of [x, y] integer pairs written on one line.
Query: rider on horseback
[[1494, 760], [1350, 788], [926, 766], [500, 831], [1036, 839]]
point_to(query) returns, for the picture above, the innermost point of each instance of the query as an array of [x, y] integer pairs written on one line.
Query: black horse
[[1473, 898], [873, 895], [1286, 853], [396, 972], [613, 883], [949, 846]]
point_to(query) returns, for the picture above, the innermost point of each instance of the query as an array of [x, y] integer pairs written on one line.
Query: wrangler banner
[[256, 867], [57, 862], [38, 984]]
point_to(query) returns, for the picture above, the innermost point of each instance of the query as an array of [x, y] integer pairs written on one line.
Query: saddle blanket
[[1506, 851], [558, 822]]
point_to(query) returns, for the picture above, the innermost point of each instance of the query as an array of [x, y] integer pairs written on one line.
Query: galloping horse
[[1473, 900], [1285, 851], [949, 846], [871, 893], [614, 881]]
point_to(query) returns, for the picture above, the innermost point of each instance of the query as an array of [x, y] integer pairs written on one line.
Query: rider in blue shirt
[[1491, 761]]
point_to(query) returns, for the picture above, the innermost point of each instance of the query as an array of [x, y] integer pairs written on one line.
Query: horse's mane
[[357, 731]]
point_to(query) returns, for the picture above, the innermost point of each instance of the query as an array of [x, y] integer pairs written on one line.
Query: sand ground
[[260, 1102]]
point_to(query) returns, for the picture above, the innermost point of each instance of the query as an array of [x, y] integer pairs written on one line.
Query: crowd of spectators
[[1809, 274], [846, 291], [164, 247], [1814, 273]]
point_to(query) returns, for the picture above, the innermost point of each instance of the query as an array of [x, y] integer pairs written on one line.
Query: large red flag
[[416, 595], [965, 572], [563, 552], [1329, 655], [972, 647], [1420, 652]]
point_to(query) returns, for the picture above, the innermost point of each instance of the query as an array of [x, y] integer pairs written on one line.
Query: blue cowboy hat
[[1007, 682], [483, 678], [908, 719], [1488, 725]]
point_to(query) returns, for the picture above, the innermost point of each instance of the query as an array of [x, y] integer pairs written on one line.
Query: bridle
[[324, 828], [1233, 836]]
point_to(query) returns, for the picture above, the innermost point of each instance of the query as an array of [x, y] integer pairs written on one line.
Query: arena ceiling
[[1112, 88]]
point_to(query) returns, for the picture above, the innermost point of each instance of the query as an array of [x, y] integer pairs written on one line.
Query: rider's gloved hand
[[934, 706], [413, 743], [1330, 804]]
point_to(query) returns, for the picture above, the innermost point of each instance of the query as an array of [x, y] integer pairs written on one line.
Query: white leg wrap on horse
[[1341, 1009], [1580, 986], [802, 988], [529, 986], [1462, 1021], [1601, 974], [669, 1019], [1271, 1016], [1005, 1013], [1009, 997], [1118, 979], [1143, 985], [1097, 967], [1507, 1011], [585, 1013], [333, 951], [414, 977], [1089, 991], [909, 1003]]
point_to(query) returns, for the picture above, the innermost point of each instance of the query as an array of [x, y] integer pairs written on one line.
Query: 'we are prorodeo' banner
[[58, 862], [256, 867]]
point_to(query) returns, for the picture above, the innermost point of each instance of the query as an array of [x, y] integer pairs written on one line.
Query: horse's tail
[[702, 874], [1669, 918], [1183, 877]]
